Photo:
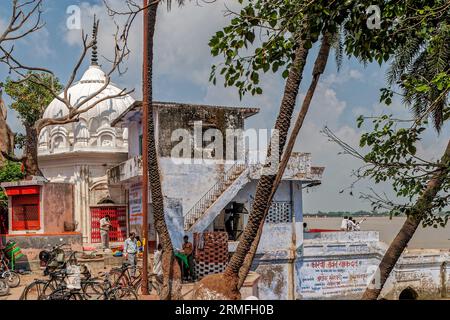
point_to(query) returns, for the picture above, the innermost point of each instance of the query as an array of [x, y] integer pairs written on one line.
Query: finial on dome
[[94, 58]]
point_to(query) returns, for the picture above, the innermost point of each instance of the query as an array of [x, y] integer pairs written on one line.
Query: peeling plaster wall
[[425, 271], [174, 219], [272, 284], [58, 206], [182, 117], [134, 131], [178, 180], [338, 265]]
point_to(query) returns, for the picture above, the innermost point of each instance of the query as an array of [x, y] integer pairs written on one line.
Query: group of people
[[131, 249], [349, 224], [133, 246]]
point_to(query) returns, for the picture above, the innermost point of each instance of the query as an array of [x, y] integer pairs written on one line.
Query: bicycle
[[39, 289], [11, 276], [124, 277], [104, 290], [114, 291], [56, 265], [4, 287]]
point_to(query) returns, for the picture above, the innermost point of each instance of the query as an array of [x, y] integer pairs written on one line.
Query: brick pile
[[212, 256]]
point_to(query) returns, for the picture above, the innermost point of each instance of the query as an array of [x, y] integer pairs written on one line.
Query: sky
[[182, 66]]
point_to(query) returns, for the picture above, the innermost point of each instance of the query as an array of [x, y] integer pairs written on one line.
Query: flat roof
[[137, 106]]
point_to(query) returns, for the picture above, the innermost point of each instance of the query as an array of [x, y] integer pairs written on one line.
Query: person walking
[[157, 263], [105, 226], [130, 250]]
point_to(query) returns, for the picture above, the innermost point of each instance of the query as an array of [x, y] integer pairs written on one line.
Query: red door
[[25, 212], [118, 215]]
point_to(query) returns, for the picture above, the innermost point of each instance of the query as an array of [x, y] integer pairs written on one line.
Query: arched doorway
[[408, 294]]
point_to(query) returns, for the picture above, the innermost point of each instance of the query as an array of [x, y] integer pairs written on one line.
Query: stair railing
[[199, 208]]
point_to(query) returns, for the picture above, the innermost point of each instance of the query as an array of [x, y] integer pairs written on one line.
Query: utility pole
[[145, 107]]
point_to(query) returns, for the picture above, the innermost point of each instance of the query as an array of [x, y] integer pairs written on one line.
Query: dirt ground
[[15, 293]]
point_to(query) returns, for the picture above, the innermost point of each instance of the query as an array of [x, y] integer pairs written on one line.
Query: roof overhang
[[136, 109]]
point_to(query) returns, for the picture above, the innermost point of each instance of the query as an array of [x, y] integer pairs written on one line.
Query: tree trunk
[[6, 135], [266, 182], [398, 245], [30, 159], [319, 68], [171, 271], [230, 277]]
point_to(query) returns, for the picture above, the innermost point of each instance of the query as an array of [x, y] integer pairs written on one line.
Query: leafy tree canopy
[[11, 171], [30, 99], [263, 36]]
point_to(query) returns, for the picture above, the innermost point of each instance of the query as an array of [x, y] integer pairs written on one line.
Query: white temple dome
[[93, 130], [93, 80]]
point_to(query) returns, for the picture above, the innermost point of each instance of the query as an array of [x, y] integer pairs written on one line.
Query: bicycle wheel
[[119, 278], [123, 293], [4, 287], [93, 291], [13, 278], [64, 294], [153, 286], [74, 296], [37, 290]]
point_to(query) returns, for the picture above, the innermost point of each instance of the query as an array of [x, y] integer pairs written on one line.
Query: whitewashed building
[[81, 153], [201, 197]]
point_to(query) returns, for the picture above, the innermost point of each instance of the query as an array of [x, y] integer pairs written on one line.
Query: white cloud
[[182, 56], [343, 76], [181, 40]]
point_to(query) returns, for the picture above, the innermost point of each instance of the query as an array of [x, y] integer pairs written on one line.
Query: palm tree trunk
[[172, 278], [398, 245], [266, 182], [319, 68]]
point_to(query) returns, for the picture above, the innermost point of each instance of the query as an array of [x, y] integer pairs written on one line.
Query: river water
[[424, 238]]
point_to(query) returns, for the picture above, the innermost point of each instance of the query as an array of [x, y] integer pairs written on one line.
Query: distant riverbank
[[426, 238]]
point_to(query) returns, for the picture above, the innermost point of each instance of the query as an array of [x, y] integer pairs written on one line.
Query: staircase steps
[[210, 197]]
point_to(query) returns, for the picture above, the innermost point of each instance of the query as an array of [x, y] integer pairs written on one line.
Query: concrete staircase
[[203, 213]]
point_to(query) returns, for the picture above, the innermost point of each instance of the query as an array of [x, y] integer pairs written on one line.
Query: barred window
[[279, 212]]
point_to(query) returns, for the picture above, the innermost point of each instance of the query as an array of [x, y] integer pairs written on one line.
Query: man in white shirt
[[157, 263], [344, 224], [105, 225], [351, 225], [130, 250]]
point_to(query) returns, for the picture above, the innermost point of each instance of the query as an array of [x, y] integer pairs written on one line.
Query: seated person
[[305, 227], [188, 250]]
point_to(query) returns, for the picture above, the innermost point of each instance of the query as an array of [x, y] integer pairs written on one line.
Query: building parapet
[[126, 171], [299, 168], [341, 237]]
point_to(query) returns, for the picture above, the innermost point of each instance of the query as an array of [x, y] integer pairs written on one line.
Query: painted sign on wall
[[136, 214], [135, 201], [331, 278]]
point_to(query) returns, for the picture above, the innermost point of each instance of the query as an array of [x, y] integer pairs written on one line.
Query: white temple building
[[83, 151]]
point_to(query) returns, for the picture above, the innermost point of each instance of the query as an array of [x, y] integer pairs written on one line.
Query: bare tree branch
[[75, 109], [26, 18]]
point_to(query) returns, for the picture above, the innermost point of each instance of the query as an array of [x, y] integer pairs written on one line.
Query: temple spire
[[94, 58]]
